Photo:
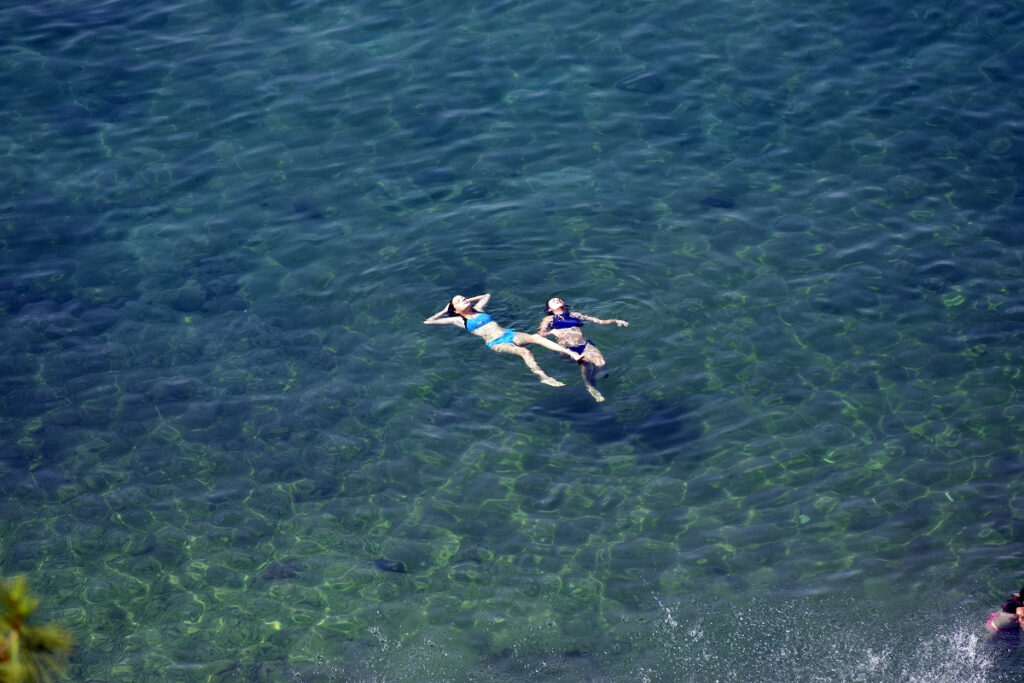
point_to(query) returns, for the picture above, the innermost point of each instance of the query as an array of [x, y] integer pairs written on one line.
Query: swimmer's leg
[[593, 362], [530, 361], [523, 338], [587, 370]]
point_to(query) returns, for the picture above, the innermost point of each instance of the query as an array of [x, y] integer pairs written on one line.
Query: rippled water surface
[[232, 452]]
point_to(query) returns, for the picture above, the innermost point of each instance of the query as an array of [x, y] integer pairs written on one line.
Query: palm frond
[[29, 653]]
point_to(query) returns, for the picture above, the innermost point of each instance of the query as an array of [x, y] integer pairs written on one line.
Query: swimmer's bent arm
[[479, 301], [545, 325]]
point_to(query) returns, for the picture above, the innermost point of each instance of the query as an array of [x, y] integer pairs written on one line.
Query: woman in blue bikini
[[565, 325], [469, 313]]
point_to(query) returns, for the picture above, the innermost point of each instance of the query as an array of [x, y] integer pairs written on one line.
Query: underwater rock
[[275, 431], [74, 120], [96, 321], [435, 175], [280, 570], [190, 297], [471, 192], [997, 70], [647, 82], [178, 389], [793, 223], [909, 142], [225, 305], [937, 275], [386, 565], [480, 555], [307, 210], [16, 456], [65, 417], [718, 201]]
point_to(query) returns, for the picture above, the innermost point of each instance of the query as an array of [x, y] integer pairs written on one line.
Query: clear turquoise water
[[231, 452]]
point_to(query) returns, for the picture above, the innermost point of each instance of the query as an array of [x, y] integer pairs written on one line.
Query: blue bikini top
[[478, 321], [564, 321]]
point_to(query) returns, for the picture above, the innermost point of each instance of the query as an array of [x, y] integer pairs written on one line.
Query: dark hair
[[547, 309], [452, 313], [1011, 605]]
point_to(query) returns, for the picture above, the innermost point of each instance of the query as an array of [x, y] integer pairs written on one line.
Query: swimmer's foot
[[596, 394], [552, 382]]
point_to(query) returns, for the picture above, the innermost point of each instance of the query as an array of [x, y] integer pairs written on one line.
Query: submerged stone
[[386, 565], [308, 210], [718, 201], [793, 223], [280, 570], [435, 175], [471, 192], [177, 389], [647, 82]]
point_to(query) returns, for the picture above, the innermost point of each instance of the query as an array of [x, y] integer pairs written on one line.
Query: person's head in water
[[556, 306], [1012, 605], [460, 305]]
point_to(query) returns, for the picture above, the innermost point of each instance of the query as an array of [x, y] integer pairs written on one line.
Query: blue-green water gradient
[[232, 452]]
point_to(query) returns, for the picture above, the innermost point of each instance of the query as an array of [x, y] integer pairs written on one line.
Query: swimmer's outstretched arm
[[442, 318], [592, 319]]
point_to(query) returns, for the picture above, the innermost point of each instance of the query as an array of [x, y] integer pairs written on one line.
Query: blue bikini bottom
[[508, 338], [579, 349]]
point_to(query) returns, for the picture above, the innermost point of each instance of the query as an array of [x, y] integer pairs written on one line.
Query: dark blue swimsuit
[[565, 321]]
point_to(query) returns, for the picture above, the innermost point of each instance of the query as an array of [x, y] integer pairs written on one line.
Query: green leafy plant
[[28, 653]]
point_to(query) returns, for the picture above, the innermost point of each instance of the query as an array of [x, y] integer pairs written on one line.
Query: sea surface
[[230, 451]]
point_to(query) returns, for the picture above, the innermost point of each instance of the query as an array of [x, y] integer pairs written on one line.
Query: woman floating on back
[[469, 314], [565, 325]]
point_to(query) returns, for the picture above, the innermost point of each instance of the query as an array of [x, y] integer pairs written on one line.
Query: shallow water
[[232, 452]]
